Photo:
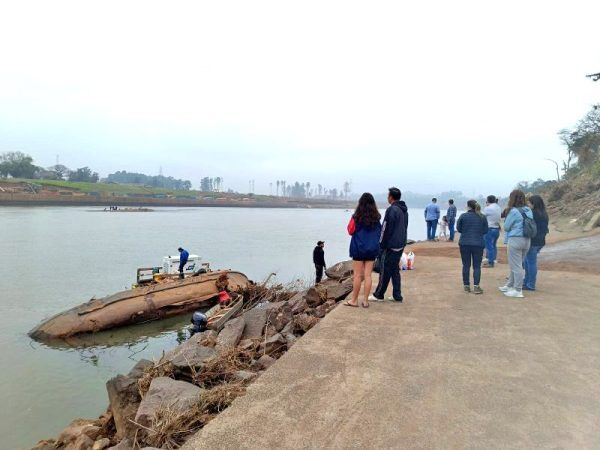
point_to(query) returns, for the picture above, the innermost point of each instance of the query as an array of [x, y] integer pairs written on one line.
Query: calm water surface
[[54, 258]]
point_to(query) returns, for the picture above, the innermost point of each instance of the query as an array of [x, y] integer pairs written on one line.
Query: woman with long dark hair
[[517, 243], [472, 227], [537, 242], [365, 229]]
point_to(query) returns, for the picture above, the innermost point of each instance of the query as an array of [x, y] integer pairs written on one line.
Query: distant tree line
[[308, 190], [208, 184], [20, 165], [155, 181]]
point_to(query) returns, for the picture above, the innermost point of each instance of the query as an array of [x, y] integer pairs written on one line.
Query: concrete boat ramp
[[443, 370]]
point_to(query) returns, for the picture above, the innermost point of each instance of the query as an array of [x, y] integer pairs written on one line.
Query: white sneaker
[[504, 288], [514, 293], [372, 298]]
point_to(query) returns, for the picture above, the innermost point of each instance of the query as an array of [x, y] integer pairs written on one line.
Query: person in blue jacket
[[183, 259], [432, 216], [472, 227], [516, 242], [365, 229]]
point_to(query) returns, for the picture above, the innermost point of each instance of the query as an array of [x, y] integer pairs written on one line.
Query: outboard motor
[[199, 323]]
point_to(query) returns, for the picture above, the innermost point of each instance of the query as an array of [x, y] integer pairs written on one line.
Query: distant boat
[[125, 210]]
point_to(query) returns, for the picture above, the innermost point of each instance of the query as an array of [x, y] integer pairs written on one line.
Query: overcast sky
[[428, 96]]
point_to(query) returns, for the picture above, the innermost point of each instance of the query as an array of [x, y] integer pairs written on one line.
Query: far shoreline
[[125, 202]]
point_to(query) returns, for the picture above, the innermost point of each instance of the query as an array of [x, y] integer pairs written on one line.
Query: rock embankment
[[160, 404]]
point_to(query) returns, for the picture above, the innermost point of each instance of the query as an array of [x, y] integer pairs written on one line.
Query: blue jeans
[[451, 228], [491, 239], [530, 266], [471, 254], [431, 229]]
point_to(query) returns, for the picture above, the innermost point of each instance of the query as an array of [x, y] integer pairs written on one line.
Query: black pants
[[181, 266], [468, 254], [319, 270], [390, 270]]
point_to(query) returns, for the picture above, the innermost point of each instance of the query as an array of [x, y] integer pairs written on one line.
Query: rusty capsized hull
[[141, 304]]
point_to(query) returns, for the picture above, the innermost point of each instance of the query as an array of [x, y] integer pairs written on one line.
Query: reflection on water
[[58, 257], [129, 336]]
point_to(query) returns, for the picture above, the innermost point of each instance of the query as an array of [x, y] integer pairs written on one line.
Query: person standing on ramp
[[392, 243]]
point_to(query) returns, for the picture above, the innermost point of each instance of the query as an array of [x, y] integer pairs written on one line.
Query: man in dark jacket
[[183, 259], [319, 260], [392, 243]]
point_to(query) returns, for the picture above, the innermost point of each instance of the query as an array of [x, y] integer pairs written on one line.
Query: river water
[[54, 258]]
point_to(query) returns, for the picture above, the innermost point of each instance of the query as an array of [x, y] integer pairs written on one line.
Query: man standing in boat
[[183, 259], [319, 260]]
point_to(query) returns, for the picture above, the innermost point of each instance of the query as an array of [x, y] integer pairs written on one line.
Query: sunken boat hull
[[139, 305]]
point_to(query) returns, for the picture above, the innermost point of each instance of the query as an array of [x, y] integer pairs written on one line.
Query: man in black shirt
[[319, 260]]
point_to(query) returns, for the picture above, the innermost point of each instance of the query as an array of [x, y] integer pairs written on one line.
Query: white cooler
[[171, 264]]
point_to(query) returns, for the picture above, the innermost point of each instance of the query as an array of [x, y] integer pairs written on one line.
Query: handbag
[[377, 265]]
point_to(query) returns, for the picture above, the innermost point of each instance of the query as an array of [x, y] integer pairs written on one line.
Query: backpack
[[529, 225]]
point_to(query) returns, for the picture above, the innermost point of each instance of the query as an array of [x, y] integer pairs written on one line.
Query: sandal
[[365, 305], [350, 304]]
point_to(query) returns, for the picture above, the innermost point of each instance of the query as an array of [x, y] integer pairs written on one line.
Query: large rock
[[273, 345], [298, 303], [101, 444], [83, 442], [125, 444], [137, 371], [231, 334], [124, 399], [315, 296], [191, 353], [244, 376], [321, 310], [593, 223], [165, 392], [330, 305], [76, 429], [279, 315], [289, 328], [265, 361], [304, 322], [45, 445], [255, 320], [340, 270], [336, 290]]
